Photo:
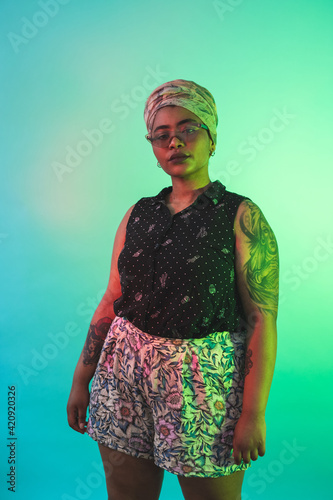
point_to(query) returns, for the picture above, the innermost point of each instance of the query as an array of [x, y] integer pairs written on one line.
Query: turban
[[186, 94]]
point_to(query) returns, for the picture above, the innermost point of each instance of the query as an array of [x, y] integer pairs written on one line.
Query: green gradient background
[[56, 236]]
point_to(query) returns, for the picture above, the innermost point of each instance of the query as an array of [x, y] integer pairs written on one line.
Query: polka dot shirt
[[177, 272]]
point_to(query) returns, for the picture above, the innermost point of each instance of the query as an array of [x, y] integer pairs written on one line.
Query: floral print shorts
[[169, 400]]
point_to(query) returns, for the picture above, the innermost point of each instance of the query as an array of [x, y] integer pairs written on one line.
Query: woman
[[182, 346]]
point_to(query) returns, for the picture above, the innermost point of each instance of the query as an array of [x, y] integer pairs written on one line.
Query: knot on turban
[[188, 95]]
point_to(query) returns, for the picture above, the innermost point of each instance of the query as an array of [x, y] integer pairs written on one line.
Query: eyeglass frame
[[199, 125]]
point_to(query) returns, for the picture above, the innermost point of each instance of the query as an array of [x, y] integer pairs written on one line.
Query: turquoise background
[[70, 67]]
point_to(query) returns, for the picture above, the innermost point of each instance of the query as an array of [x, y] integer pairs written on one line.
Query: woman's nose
[[175, 141]]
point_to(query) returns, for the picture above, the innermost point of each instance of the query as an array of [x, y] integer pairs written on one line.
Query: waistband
[[122, 323]]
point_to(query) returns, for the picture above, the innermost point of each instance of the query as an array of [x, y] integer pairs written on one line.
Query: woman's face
[[198, 150]]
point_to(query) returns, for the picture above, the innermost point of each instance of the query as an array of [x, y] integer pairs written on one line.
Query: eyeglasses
[[187, 133]]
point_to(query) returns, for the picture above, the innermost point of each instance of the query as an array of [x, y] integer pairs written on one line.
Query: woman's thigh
[[212, 488], [130, 478]]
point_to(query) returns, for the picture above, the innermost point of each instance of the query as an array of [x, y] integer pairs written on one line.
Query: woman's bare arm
[[99, 326], [257, 272]]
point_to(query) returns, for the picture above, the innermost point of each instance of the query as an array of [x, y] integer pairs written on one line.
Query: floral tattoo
[[95, 340], [261, 270]]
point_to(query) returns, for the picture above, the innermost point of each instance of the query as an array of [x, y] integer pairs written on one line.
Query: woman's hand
[[249, 438], [78, 402]]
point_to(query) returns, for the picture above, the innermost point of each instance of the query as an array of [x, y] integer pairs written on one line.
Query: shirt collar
[[213, 194]]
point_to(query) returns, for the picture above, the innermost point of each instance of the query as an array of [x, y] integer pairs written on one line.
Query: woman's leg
[[130, 478], [212, 488]]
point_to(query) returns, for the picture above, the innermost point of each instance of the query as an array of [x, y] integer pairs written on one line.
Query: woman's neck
[[185, 192]]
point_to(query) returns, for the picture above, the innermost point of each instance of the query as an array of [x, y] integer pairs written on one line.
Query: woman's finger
[[246, 456], [237, 456], [262, 449], [72, 417], [82, 425], [82, 419]]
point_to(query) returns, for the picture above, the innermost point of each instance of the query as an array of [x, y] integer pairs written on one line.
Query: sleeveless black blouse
[[177, 272]]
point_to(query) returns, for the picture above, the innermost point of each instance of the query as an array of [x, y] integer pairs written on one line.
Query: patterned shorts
[[169, 400]]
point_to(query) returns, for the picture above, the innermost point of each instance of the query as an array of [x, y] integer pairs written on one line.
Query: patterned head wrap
[[186, 94]]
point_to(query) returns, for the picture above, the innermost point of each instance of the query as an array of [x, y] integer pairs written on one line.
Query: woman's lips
[[178, 159]]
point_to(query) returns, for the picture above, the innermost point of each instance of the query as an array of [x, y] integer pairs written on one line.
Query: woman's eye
[[162, 136]]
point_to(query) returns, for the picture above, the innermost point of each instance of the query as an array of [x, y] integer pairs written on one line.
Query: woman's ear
[[212, 148]]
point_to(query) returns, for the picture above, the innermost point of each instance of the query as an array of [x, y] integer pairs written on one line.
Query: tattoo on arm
[[95, 340], [261, 270], [248, 362]]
